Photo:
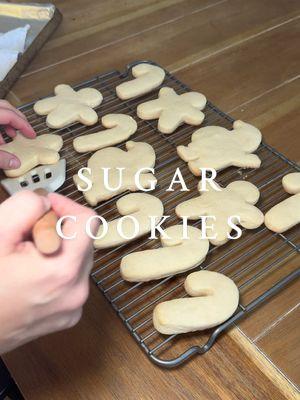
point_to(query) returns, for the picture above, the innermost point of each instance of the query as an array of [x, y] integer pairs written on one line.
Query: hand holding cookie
[[11, 120]]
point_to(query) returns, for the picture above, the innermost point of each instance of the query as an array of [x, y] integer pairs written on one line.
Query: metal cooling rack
[[261, 262]]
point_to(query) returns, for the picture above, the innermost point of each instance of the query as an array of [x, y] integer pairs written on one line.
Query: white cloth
[[11, 44]]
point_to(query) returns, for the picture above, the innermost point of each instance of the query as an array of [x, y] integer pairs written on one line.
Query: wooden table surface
[[244, 55]]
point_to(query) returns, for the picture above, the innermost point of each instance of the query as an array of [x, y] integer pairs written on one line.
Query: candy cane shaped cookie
[[138, 206], [215, 298], [119, 128], [175, 256], [147, 77]]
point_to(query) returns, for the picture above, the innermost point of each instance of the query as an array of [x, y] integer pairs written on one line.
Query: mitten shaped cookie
[[214, 298], [236, 200], [139, 206], [119, 128], [172, 109], [138, 155], [147, 77], [32, 152], [286, 214], [176, 255], [69, 106], [218, 148]]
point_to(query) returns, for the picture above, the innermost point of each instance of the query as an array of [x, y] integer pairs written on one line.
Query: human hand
[[12, 119], [41, 294]]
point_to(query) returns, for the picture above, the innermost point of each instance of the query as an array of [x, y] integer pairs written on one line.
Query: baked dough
[[286, 214], [119, 128], [215, 297], [147, 77], [32, 152], [218, 148], [138, 155], [172, 109], [137, 205], [237, 199], [175, 256], [68, 106]]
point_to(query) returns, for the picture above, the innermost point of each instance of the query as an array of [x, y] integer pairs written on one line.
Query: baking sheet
[[43, 20]]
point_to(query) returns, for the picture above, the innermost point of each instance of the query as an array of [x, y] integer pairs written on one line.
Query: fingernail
[[46, 202], [13, 163]]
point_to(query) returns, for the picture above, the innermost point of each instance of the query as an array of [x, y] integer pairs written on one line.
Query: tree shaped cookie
[[32, 152], [286, 214], [218, 148], [172, 109], [237, 199], [138, 155], [69, 106], [119, 128]]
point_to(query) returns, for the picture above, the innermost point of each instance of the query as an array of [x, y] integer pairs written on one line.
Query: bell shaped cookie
[[42, 150], [286, 214], [122, 167], [236, 200], [218, 148], [69, 106], [172, 109]]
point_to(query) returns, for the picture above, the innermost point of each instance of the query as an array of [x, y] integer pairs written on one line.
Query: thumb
[[18, 214], [8, 160]]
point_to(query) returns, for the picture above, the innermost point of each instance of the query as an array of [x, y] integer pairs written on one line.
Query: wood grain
[[99, 359], [207, 30], [244, 56]]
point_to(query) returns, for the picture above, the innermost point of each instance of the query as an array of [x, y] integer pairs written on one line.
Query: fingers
[[8, 160], [18, 214], [7, 105], [63, 206], [10, 131], [15, 121]]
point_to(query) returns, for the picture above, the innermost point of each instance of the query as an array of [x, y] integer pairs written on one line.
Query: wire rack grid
[[261, 262]]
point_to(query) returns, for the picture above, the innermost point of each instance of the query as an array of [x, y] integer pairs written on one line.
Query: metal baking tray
[[43, 20], [261, 262]]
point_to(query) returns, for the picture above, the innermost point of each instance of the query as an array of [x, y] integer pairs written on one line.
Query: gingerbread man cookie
[[237, 199], [69, 106], [147, 77], [119, 128], [138, 155], [218, 148], [138, 206], [214, 299], [172, 109], [32, 152], [176, 255], [286, 214]]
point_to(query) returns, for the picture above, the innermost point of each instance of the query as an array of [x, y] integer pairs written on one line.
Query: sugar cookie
[[147, 77], [32, 152], [286, 214], [215, 297], [138, 155], [218, 148], [172, 109], [237, 199], [138, 206], [175, 256], [119, 128], [68, 106]]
